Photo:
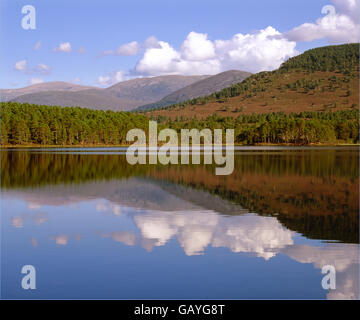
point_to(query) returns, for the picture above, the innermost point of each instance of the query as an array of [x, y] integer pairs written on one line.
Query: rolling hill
[[320, 79], [201, 88], [124, 95], [9, 94]]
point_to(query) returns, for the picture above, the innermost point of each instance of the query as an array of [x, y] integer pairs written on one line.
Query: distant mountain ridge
[[151, 89], [9, 94], [125, 95], [201, 88]]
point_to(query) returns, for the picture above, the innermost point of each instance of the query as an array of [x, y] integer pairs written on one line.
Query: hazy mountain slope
[[124, 95], [151, 89], [93, 98], [320, 79], [201, 88], [8, 94]]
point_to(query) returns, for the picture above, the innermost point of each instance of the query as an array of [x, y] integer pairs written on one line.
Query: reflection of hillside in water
[[139, 193], [313, 192]]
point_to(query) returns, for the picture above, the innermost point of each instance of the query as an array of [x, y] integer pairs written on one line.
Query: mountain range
[[125, 95], [200, 88], [10, 94]]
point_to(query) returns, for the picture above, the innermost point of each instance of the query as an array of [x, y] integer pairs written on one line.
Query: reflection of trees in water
[[321, 208], [26, 169], [313, 192]]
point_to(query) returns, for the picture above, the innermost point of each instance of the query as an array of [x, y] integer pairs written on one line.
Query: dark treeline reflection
[[314, 192]]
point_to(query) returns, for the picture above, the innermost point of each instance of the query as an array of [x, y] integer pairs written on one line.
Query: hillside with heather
[[319, 80]]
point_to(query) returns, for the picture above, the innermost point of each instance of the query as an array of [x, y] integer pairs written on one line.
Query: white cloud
[[197, 230], [133, 48], [197, 47], [151, 42], [35, 81], [255, 52], [111, 78], [348, 7], [37, 45], [42, 69], [63, 47], [345, 259], [127, 49], [339, 25], [20, 65], [125, 237], [262, 50]]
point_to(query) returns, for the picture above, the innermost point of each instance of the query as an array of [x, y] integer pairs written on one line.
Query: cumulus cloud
[[41, 68], [196, 230], [345, 259], [127, 49], [37, 45], [262, 50], [21, 65], [111, 78], [255, 52], [339, 25], [35, 81], [63, 47], [125, 237], [133, 48], [151, 42], [197, 47]]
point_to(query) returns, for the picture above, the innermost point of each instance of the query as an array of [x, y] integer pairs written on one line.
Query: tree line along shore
[[26, 125]]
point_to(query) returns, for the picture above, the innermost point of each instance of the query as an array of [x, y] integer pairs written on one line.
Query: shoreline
[[9, 146]]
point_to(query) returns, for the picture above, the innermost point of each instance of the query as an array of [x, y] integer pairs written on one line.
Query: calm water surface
[[95, 227]]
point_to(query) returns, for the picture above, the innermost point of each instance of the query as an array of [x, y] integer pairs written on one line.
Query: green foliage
[[33, 124], [341, 58], [293, 128]]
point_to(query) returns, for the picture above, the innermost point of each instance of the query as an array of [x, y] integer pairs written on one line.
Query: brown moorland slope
[[321, 79]]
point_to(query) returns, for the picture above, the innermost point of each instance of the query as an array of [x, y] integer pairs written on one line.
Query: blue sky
[[99, 26]]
